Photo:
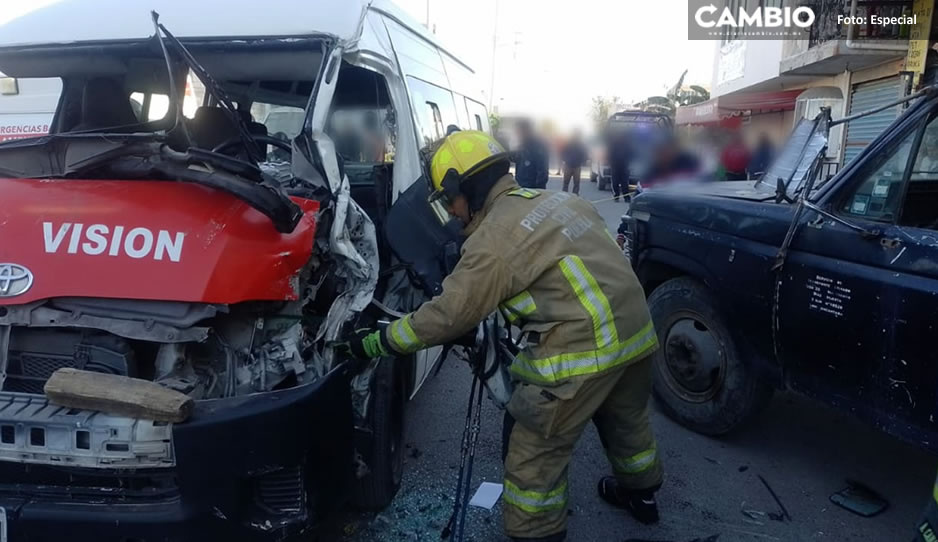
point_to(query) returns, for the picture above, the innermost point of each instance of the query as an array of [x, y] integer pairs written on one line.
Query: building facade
[[848, 68]]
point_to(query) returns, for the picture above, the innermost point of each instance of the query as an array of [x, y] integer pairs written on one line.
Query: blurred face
[[524, 132], [459, 208]]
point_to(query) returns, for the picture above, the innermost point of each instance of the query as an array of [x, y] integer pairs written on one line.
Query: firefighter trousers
[[548, 421]]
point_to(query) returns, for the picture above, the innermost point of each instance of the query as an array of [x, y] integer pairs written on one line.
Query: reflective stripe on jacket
[[548, 262]]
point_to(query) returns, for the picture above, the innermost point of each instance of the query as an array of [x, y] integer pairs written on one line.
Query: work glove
[[367, 343]]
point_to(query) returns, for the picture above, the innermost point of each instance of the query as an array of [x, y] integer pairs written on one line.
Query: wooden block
[[119, 395]]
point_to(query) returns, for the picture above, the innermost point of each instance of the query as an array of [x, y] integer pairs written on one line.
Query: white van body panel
[[76, 21], [29, 112], [400, 49]]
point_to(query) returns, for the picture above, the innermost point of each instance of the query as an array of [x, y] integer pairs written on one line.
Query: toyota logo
[[14, 279]]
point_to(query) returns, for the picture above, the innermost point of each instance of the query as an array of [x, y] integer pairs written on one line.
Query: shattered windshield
[[127, 113], [125, 88], [807, 143]]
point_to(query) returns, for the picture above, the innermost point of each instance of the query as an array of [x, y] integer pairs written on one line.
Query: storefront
[[770, 113], [866, 97]]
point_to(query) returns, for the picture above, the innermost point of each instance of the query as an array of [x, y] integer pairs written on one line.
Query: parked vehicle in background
[[640, 128], [826, 288], [217, 251], [27, 106]]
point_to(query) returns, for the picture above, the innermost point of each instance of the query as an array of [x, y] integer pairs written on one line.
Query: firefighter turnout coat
[[545, 259]]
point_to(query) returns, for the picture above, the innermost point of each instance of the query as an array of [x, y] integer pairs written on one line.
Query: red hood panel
[[158, 240]]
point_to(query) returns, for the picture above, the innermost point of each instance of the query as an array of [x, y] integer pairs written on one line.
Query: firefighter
[[546, 260]]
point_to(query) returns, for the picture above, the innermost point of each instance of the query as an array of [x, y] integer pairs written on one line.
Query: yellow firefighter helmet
[[461, 155]]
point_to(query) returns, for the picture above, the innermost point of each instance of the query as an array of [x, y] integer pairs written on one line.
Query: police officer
[[546, 260], [531, 158]]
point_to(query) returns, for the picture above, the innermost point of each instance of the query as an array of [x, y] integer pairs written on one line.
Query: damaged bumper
[[258, 467]]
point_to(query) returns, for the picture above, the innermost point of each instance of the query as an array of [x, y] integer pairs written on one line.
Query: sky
[[551, 57], [14, 8]]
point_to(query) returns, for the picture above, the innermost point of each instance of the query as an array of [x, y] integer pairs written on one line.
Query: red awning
[[723, 107]]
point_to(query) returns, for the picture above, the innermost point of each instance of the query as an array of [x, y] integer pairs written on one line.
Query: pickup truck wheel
[[593, 177], [385, 460], [699, 378], [603, 183]]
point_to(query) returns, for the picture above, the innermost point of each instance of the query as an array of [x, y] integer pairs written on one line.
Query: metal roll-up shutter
[[864, 97]]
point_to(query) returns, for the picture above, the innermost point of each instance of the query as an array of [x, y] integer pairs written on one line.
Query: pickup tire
[[603, 183], [699, 378], [385, 458]]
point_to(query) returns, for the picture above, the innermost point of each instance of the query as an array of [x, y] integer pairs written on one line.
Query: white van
[[27, 106], [285, 208]]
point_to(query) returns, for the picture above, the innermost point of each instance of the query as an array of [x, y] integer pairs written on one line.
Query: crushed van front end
[[196, 291], [262, 467], [201, 253]]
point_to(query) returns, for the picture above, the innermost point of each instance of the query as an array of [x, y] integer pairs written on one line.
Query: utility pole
[[494, 47], [427, 24]]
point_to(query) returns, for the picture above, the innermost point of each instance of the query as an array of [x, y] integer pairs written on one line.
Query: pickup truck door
[[427, 244], [856, 312], [831, 329], [910, 376]]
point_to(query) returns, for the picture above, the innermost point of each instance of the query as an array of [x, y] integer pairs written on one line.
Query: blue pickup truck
[[828, 287]]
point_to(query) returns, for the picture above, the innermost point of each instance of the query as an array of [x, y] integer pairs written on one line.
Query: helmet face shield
[[441, 198], [449, 187]]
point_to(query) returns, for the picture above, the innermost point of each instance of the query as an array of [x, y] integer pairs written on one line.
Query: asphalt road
[[803, 449]]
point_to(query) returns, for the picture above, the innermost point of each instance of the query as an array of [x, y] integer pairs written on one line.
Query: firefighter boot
[[640, 503], [559, 537]]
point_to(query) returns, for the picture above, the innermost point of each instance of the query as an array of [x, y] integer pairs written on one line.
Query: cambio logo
[[768, 17]]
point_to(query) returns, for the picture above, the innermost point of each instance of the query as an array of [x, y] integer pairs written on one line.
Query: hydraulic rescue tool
[[489, 357]]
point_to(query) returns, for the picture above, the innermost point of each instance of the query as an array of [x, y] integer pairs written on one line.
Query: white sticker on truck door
[[828, 295]]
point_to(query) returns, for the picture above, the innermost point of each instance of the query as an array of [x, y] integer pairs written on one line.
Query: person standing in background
[[762, 157], [619, 151], [735, 158], [530, 158], [573, 156]]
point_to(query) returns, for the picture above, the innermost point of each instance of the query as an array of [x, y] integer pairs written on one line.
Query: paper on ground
[[487, 495]]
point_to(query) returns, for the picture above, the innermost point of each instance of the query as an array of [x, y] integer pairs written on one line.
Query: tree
[[494, 121], [659, 104], [602, 108], [693, 94], [677, 96]]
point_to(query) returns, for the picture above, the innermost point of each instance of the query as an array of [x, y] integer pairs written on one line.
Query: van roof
[[78, 21]]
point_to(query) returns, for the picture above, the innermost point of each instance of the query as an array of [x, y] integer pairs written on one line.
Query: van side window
[[155, 105], [438, 130], [434, 107], [363, 134], [478, 114], [879, 195], [363, 123]]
